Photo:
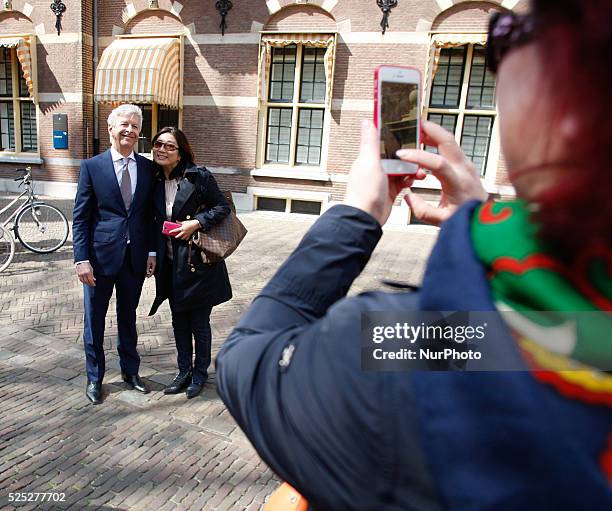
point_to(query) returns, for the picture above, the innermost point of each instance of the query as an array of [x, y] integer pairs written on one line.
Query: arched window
[[145, 66], [18, 127], [461, 90], [295, 88]]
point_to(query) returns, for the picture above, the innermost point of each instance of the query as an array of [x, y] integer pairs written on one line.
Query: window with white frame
[[18, 132], [154, 118], [295, 107], [462, 100]]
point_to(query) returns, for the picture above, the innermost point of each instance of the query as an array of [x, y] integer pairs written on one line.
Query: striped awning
[[441, 41], [139, 71], [23, 55]]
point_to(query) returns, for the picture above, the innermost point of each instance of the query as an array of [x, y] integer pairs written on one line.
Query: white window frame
[[18, 154], [490, 170], [254, 192], [291, 170]]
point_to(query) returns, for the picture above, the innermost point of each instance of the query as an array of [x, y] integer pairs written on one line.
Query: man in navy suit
[[112, 241]]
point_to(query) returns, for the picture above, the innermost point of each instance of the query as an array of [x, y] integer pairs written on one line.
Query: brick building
[[272, 107]]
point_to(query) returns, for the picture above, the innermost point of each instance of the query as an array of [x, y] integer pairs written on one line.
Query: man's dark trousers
[[128, 286]]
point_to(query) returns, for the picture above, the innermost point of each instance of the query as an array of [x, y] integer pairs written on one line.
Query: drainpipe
[[96, 142]]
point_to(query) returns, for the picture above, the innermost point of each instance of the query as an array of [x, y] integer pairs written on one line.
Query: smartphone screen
[[398, 117]]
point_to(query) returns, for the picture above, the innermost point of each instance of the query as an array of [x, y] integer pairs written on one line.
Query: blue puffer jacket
[[290, 374]]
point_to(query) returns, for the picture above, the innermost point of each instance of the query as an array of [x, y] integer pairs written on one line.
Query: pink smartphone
[[168, 226], [397, 115]]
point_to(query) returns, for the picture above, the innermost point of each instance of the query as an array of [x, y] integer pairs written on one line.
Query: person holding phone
[[537, 438], [188, 197]]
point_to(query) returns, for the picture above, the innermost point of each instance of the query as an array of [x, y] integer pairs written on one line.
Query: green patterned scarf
[[565, 310]]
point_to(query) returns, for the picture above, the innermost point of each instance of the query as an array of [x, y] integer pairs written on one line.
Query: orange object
[[286, 498]]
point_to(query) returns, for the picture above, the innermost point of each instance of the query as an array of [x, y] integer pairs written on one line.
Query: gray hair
[[126, 110]]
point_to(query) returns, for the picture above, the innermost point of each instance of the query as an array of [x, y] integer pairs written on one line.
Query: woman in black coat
[[187, 195]]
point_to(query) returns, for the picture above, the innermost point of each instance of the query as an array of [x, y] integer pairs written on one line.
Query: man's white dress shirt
[[118, 163]]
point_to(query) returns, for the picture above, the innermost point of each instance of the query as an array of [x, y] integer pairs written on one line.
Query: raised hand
[[457, 175]]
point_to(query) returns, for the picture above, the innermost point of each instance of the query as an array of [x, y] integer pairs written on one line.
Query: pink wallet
[[169, 226]]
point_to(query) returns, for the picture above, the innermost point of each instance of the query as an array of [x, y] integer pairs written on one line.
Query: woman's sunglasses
[[169, 147], [507, 30]]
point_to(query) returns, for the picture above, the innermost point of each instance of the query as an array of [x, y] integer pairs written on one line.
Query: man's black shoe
[[135, 383], [193, 390], [180, 382], [94, 392]]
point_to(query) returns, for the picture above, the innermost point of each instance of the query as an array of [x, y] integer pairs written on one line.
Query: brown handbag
[[220, 240]]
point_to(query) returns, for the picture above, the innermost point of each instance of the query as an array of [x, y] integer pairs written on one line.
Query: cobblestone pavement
[[141, 452]]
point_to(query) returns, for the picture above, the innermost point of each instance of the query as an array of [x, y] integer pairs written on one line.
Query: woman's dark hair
[[185, 151], [575, 44]]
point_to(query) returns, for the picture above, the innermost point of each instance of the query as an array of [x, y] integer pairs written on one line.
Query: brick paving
[[138, 452]]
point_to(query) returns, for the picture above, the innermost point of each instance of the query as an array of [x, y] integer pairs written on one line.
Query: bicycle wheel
[[41, 228], [7, 248]]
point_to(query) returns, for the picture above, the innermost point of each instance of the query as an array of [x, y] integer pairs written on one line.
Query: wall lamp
[[223, 6], [385, 7]]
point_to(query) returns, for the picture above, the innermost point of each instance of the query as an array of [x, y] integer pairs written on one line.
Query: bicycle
[[7, 248], [39, 227]]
